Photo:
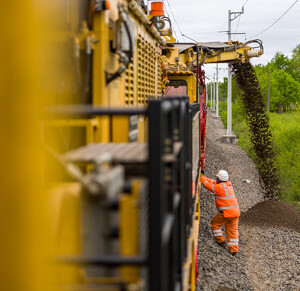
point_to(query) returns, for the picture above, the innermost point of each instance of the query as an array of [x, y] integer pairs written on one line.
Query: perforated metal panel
[[129, 85], [143, 76]]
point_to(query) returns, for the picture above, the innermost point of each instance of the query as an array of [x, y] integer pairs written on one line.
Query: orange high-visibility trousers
[[231, 227]]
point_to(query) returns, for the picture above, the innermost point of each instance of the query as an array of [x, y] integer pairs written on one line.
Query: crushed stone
[[269, 257]]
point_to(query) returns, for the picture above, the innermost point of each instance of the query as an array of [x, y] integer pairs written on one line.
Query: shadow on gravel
[[272, 213], [225, 289]]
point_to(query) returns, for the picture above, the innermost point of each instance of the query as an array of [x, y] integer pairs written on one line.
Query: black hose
[[129, 56]]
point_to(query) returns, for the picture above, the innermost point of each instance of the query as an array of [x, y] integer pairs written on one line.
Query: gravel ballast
[[269, 256]]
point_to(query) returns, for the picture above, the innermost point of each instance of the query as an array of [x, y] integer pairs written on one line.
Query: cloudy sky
[[202, 21]]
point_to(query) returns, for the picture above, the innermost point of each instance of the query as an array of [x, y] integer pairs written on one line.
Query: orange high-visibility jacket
[[226, 201]]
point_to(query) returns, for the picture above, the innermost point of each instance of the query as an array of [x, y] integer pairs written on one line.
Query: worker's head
[[222, 176]]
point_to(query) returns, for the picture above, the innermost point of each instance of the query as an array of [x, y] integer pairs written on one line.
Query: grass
[[286, 132]]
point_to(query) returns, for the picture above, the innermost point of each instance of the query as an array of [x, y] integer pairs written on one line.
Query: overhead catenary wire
[[174, 17], [277, 19], [165, 6], [237, 26], [202, 33], [245, 3]]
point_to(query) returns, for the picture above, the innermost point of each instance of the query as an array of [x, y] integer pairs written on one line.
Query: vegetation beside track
[[286, 134], [284, 118]]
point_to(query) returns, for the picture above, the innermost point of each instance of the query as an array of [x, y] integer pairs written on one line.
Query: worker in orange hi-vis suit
[[228, 210]]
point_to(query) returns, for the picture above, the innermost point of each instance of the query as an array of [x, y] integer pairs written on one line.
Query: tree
[[262, 73], [223, 90], [288, 89], [295, 63], [280, 62], [285, 80]]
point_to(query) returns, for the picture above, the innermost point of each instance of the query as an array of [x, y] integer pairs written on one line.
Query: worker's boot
[[234, 254], [222, 244]]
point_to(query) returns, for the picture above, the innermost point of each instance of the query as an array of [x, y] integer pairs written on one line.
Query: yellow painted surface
[[120, 128], [191, 84], [25, 244], [91, 126], [65, 222], [129, 231], [227, 57], [142, 128]]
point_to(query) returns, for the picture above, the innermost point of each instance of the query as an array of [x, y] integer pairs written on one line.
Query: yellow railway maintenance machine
[[124, 139]]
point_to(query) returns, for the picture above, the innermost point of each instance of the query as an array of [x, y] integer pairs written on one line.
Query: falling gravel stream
[[259, 127], [269, 257]]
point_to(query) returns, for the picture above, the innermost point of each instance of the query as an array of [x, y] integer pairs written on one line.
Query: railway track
[[269, 256]]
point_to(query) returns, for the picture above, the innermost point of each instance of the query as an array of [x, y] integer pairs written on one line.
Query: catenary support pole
[[215, 79], [214, 92], [217, 92], [229, 124], [211, 90], [230, 137]]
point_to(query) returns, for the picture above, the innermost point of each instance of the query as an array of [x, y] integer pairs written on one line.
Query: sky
[[203, 21]]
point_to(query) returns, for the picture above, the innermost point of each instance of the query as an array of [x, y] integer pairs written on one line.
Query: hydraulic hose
[[258, 41], [127, 59]]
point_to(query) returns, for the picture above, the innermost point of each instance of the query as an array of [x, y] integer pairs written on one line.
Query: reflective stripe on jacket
[[224, 194]]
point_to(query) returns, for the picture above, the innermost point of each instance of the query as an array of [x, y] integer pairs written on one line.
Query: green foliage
[[280, 62], [286, 132], [223, 90], [286, 141], [295, 63], [223, 111], [284, 81], [288, 89], [240, 127], [284, 95]]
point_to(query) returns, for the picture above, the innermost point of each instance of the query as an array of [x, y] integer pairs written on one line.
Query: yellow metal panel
[[129, 230], [238, 55], [192, 88], [191, 83], [142, 129], [120, 126], [100, 52], [91, 125], [25, 243], [99, 82], [103, 133], [65, 218]]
